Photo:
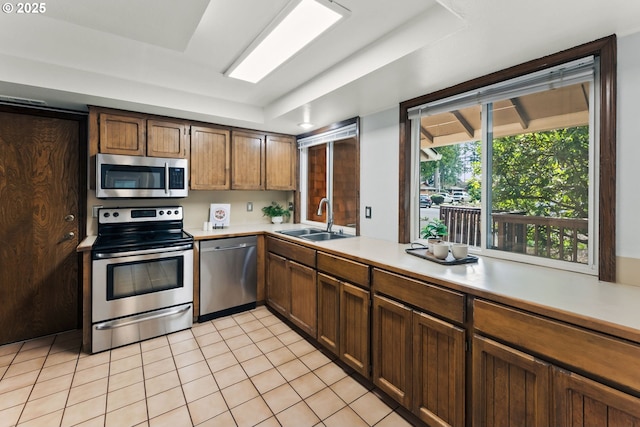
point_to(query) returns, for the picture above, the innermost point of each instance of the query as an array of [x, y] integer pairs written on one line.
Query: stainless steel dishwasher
[[228, 281]]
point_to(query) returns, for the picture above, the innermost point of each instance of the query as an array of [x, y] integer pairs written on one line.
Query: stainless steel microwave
[[120, 176]]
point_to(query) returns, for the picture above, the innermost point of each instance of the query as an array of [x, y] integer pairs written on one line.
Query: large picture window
[[515, 167]]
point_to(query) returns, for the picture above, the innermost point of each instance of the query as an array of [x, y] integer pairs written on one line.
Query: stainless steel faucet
[[329, 212]]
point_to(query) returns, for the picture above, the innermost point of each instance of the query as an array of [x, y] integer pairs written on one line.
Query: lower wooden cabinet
[[278, 289], [291, 291], [329, 312], [438, 371], [579, 401], [510, 388], [391, 346], [419, 360], [513, 388], [343, 321], [303, 311]]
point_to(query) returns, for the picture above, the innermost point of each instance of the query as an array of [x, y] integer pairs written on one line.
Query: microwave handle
[[166, 178]]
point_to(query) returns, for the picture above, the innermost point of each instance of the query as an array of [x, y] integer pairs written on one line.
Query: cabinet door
[[210, 159], [354, 328], [329, 312], [303, 312], [121, 134], [438, 371], [391, 349], [582, 402], [281, 162], [167, 139], [510, 388], [278, 295], [247, 157]]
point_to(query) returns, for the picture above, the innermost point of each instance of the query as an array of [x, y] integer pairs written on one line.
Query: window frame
[[299, 198], [605, 50]]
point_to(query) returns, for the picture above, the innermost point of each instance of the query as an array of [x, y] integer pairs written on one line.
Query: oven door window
[[132, 177], [144, 277]]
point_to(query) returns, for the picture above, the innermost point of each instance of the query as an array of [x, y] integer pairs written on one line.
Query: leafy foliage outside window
[[542, 173]]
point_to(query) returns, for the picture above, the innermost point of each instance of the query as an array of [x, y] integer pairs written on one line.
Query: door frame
[[82, 119]]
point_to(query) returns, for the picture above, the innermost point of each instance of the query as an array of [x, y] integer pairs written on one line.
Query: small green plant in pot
[[276, 212], [433, 231]]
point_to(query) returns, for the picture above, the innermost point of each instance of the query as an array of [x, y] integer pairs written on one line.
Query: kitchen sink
[[316, 237], [301, 232], [314, 234]]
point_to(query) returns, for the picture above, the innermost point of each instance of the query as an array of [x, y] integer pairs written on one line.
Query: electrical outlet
[[367, 211], [249, 206]]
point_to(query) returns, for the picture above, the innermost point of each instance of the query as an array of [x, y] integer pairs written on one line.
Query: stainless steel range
[[142, 275]]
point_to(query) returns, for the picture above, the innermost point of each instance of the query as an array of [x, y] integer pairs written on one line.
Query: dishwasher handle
[[227, 248]]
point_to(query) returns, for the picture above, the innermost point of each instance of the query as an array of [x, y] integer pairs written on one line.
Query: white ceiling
[[168, 56]]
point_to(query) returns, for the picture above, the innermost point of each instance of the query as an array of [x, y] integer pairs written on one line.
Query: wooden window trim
[[606, 50]]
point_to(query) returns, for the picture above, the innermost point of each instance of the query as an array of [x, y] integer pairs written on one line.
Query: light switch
[[367, 211], [249, 206]]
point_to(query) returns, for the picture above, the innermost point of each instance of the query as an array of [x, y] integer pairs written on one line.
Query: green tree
[[542, 173], [454, 162]]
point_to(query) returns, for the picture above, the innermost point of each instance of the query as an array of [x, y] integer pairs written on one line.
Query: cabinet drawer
[[301, 254], [351, 271], [591, 352], [430, 298]]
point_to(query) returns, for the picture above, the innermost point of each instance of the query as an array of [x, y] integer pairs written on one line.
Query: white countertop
[[609, 307]]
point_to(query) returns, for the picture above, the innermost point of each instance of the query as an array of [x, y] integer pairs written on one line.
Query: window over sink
[[330, 171]]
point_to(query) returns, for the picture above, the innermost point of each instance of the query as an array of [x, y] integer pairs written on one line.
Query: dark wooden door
[[39, 225]]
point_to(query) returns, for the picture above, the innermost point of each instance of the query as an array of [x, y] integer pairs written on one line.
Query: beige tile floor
[[247, 369]]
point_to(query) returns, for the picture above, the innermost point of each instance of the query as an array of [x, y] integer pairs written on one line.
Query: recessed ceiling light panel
[[294, 28]]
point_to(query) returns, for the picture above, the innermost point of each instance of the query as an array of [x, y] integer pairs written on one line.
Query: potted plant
[[433, 231], [276, 212]]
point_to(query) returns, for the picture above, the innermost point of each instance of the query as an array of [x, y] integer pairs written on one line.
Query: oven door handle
[[101, 255], [112, 324]]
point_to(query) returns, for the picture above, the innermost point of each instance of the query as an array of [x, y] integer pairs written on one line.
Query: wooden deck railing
[[556, 238], [463, 224]]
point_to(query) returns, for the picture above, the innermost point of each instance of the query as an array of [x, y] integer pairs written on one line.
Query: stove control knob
[[168, 212], [176, 212], [116, 214], [161, 212], [107, 214]]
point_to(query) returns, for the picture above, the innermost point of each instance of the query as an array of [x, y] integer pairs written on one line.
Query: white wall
[[628, 156], [379, 171]]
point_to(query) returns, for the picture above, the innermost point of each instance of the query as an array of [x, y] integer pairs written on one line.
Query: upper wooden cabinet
[[263, 162], [138, 136], [220, 159], [210, 158], [167, 139], [247, 161], [281, 163], [120, 134]]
